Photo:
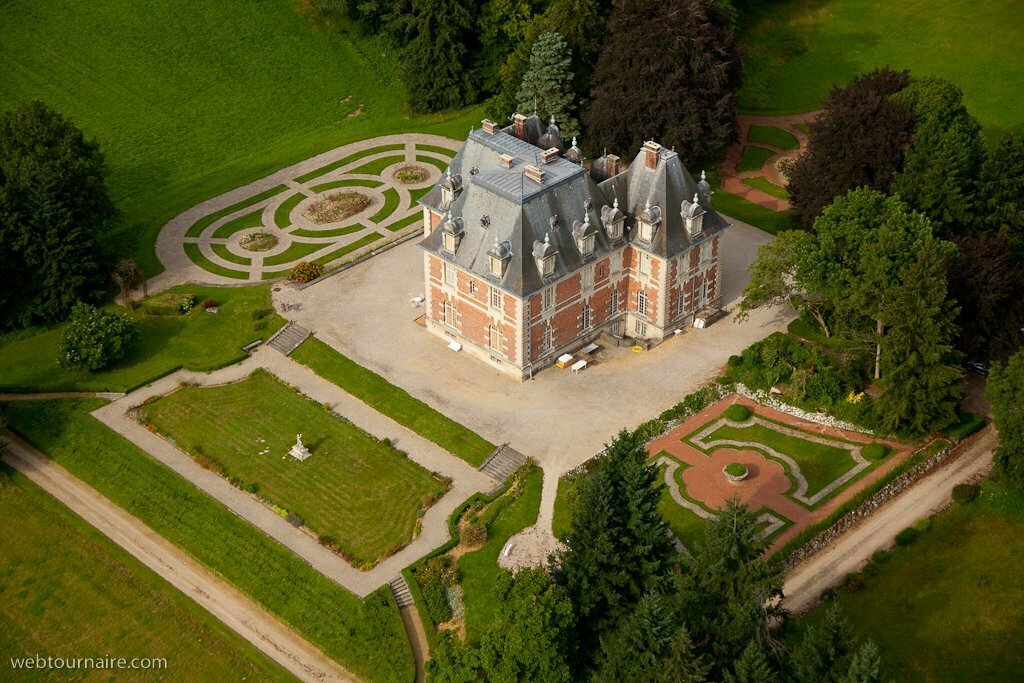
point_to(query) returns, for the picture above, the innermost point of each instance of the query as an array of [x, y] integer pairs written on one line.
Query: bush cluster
[[437, 575], [965, 425], [304, 271], [965, 493], [738, 412], [907, 536], [874, 451], [93, 338]]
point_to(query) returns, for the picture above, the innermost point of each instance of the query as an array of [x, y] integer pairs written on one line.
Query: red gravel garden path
[[767, 482]]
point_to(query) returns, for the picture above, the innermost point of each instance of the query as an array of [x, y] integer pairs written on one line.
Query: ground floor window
[[641, 302], [641, 329], [586, 318], [615, 301], [494, 339], [449, 313], [547, 339]]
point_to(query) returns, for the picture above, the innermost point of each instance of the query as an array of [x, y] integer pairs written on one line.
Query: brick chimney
[[490, 126], [651, 149], [549, 155], [612, 165], [519, 126], [535, 174], [506, 160]]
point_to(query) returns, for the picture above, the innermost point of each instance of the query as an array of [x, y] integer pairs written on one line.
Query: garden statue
[[299, 451]]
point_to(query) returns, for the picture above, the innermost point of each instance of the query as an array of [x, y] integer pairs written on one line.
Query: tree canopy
[[547, 85], [667, 70], [1005, 391], [436, 60], [54, 211]]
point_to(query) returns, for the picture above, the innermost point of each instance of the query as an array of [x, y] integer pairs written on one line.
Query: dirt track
[[808, 580], [237, 611]]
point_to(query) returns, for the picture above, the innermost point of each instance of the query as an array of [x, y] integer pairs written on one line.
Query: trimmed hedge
[[738, 412], [874, 451]]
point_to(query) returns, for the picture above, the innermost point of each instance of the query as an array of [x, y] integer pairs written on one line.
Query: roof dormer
[[452, 233], [647, 222], [498, 258], [693, 216], [584, 235], [451, 187], [613, 220], [544, 255]]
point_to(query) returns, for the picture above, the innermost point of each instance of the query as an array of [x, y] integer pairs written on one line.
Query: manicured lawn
[[196, 256], [196, 341], [820, 464], [444, 151], [223, 251], [253, 219], [772, 222], [685, 524], [366, 637], [196, 229], [565, 499], [359, 491], [377, 166], [366, 239], [58, 574], [797, 50], [324, 170], [391, 202], [404, 222], [442, 165], [766, 186], [479, 569], [337, 232], [294, 252], [189, 99], [392, 401], [949, 607], [283, 212], [346, 182], [773, 136], [753, 158]]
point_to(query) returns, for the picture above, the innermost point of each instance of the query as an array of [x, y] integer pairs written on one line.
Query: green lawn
[[355, 489], [479, 569], [196, 256], [189, 99], [772, 135], [346, 182], [392, 401], [57, 574], [565, 499], [337, 232], [283, 212], [797, 50], [253, 219], [766, 186], [196, 341], [196, 229], [753, 158], [391, 202], [687, 525], [949, 607], [327, 168], [820, 464], [366, 239], [295, 251], [228, 255], [377, 166], [366, 636]]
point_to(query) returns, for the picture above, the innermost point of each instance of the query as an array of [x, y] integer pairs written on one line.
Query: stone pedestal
[[299, 450]]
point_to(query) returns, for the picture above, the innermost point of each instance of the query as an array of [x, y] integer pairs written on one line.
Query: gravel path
[[806, 582], [465, 479], [234, 609]]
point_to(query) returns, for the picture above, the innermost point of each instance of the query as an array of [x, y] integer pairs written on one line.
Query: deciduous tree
[[1005, 391], [54, 210], [94, 338], [667, 70], [858, 140]]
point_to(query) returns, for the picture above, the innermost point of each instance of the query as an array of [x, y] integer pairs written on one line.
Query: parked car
[[978, 366]]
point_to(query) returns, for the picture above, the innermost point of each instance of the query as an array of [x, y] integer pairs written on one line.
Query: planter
[[735, 472]]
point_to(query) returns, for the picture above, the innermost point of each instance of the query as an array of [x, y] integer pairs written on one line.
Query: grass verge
[[774, 136]]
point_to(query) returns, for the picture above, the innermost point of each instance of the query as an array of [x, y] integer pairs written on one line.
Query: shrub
[[874, 451], [259, 325], [646, 431], [261, 313], [853, 581], [734, 469], [923, 524], [210, 303], [304, 271], [878, 558], [738, 413], [93, 338], [188, 302], [294, 519], [474, 534], [965, 425], [435, 600], [907, 536], [251, 487], [965, 493]]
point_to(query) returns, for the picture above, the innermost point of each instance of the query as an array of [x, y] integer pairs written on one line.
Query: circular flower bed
[[735, 472], [336, 207], [410, 174], [258, 241]]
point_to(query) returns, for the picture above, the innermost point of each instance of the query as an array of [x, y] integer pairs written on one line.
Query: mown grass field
[[195, 341], [189, 99], [66, 590], [949, 607], [365, 636], [797, 50], [396, 403], [361, 492]]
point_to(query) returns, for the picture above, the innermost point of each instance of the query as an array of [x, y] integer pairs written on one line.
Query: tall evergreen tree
[[729, 593], [923, 381], [1000, 206], [752, 667], [667, 70], [504, 26], [547, 86], [618, 548], [437, 60], [1005, 391], [649, 645], [858, 140], [943, 163], [865, 665], [827, 652], [54, 211]]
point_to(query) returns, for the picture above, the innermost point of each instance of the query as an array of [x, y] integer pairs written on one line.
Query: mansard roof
[[502, 202]]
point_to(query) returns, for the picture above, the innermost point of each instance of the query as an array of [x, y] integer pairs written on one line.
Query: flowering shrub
[[305, 271], [93, 338]]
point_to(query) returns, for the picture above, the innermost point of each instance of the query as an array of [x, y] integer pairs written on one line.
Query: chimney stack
[[535, 174], [490, 126], [519, 126], [549, 155], [506, 160], [612, 166], [651, 149]]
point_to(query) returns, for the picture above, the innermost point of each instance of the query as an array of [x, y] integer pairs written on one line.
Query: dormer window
[[647, 223], [613, 220], [544, 255], [451, 186], [584, 235], [451, 234], [498, 257], [693, 216]]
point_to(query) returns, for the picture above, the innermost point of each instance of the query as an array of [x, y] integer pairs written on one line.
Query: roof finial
[[552, 119], [547, 238], [615, 204], [573, 140], [471, 130], [448, 172], [647, 205], [703, 175], [535, 112], [696, 199]]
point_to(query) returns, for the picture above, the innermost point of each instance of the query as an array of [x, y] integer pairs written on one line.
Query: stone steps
[[288, 338], [502, 462], [400, 589]]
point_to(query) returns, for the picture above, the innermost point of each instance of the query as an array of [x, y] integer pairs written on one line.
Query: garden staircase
[[400, 589], [502, 462], [288, 338]]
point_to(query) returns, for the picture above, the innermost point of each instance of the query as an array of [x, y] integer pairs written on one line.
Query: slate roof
[[499, 205]]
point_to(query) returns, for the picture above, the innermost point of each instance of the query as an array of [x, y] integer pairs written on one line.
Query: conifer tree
[[649, 645], [547, 85], [865, 665], [1000, 206], [436, 61], [1005, 391], [752, 667], [923, 382], [826, 651], [618, 548]]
